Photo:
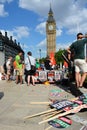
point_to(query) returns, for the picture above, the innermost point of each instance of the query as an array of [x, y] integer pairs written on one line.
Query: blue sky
[[25, 20]]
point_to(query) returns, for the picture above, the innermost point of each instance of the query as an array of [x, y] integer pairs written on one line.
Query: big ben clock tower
[[51, 33]]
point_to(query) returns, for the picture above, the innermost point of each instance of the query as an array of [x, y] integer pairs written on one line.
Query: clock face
[[50, 27]]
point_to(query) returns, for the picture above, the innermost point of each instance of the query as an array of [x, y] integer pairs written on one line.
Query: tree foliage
[[58, 56]]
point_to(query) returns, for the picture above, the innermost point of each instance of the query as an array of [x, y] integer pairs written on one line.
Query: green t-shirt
[[78, 48], [37, 65], [17, 59]]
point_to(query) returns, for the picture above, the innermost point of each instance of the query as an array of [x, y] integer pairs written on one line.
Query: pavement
[[19, 101]]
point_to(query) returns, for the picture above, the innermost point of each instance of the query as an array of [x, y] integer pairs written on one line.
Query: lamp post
[[40, 53]]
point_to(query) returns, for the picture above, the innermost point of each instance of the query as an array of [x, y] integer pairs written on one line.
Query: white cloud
[[71, 15], [3, 1], [67, 14], [62, 46], [41, 28], [20, 32], [2, 11], [17, 33], [38, 6], [58, 32], [42, 46]]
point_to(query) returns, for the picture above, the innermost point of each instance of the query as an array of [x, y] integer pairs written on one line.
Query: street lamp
[[40, 53]]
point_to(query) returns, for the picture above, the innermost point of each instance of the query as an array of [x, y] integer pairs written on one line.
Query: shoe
[[28, 84], [80, 86], [16, 82], [8, 81]]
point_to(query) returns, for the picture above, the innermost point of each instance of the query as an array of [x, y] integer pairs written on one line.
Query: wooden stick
[[50, 102], [48, 111], [41, 113], [41, 103], [51, 115], [74, 110], [56, 112]]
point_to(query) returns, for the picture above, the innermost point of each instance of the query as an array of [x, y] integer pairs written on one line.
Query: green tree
[[58, 56]]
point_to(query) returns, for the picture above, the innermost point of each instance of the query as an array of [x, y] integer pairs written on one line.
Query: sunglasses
[[79, 37]]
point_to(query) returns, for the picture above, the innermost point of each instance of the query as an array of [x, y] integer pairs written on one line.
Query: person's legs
[[21, 80], [28, 80], [33, 80], [83, 67], [21, 74], [77, 74], [8, 75], [82, 79], [78, 78], [26, 77], [17, 76]]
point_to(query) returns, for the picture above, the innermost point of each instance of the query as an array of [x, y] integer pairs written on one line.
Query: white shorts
[[80, 65]]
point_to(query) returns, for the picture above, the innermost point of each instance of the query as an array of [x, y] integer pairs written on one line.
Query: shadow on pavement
[[70, 87], [1, 95], [75, 91]]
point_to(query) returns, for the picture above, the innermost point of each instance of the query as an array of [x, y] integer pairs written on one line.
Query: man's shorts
[[80, 65], [19, 72], [8, 72]]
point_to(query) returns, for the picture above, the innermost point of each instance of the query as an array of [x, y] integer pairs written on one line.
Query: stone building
[[8, 47]]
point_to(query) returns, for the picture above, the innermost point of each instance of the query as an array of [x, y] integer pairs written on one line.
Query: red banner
[[52, 58]]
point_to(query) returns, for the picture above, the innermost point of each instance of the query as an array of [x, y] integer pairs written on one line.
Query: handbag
[[33, 68]]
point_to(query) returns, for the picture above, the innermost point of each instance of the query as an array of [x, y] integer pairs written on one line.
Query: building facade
[[8, 47], [51, 33]]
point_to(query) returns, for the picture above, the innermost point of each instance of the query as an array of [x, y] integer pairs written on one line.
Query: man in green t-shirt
[[79, 58], [19, 67], [37, 64]]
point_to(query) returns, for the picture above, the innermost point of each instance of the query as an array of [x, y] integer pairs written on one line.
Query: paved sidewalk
[[15, 105]]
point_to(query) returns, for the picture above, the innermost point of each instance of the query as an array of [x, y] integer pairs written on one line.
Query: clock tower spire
[[51, 33]]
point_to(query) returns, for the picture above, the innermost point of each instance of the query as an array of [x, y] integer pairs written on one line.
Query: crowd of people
[[77, 53], [20, 69], [15, 69]]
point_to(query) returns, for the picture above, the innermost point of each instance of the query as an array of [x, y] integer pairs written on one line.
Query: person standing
[[37, 64], [30, 60], [19, 68], [77, 48], [47, 64], [9, 68]]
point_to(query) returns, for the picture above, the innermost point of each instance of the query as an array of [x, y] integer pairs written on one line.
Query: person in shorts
[[19, 68], [9, 67], [80, 63]]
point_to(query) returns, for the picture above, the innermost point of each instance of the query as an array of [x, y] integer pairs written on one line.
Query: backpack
[[14, 64]]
